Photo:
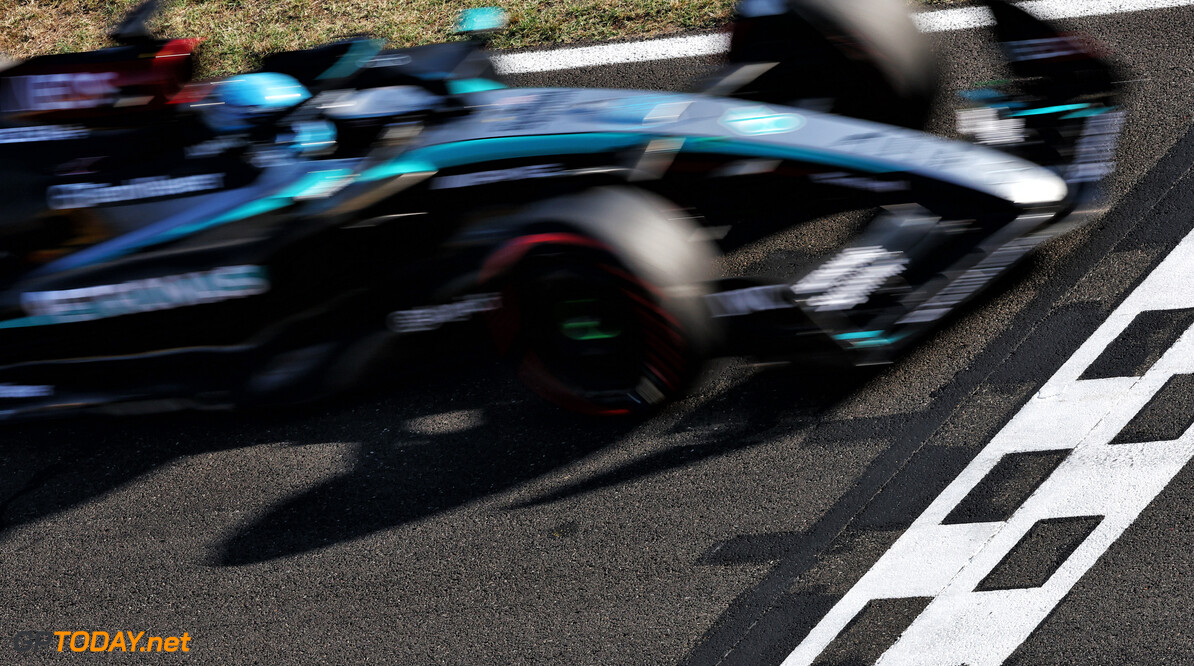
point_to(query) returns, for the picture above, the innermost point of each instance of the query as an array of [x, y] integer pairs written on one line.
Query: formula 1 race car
[[264, 238]]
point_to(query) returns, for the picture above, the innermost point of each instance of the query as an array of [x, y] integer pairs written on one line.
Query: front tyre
[[603, 301]]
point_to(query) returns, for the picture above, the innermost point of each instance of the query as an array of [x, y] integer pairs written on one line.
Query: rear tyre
[[603, 306]]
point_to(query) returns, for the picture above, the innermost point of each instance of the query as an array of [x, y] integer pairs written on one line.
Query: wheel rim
[[593, 338]]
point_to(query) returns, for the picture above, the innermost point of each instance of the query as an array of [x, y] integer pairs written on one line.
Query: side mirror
[[481, 21]]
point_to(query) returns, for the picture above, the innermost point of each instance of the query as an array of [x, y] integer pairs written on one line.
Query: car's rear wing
[[118, 85]]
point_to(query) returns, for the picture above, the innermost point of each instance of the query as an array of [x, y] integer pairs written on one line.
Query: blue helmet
[[245, 98]]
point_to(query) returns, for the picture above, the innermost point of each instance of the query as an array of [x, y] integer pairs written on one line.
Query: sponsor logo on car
[[758, 119], [60, 92], [42, 133], [158, 293], [975, 278], [15, 391], [429, 318], [86, 195], [850, 278], [216, 146], [989, 129], [1042, 49], [497, 175]]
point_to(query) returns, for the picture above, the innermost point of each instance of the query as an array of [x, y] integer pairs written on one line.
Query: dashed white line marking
[[1115, 481], [693, 46]]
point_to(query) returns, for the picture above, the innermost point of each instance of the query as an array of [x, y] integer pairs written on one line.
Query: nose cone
[[1033, 186], [1016, 180]]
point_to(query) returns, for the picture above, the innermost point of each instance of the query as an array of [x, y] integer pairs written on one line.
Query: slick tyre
[[602, 301]]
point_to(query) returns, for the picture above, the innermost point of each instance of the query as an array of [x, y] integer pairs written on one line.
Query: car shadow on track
[[416, 476], [432, 461], [408, 460], [775, 397], [429, 445]]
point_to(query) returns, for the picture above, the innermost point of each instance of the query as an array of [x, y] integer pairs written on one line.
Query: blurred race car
[[266, 237]]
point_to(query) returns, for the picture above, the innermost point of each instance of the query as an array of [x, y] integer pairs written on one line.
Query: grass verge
[[239, 32]]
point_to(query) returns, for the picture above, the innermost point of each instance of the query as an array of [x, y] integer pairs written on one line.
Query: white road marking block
[[693, 46], [1117, 482], [965, 18]]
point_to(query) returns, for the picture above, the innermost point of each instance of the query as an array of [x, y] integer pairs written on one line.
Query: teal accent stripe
[[860, 335], [352, 59], [1048, 109], [869, 338], [23, 322], [465, 86]]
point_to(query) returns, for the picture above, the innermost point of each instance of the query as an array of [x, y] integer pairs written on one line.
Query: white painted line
[[611, 54], [964, 18], [1117, 482], [693, 46]]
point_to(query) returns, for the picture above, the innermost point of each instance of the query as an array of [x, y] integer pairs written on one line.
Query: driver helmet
[[243, 101]]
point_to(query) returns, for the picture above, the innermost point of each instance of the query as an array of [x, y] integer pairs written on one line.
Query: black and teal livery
[[405, 193]]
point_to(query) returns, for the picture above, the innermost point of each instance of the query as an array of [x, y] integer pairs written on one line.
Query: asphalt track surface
[[451, 518]]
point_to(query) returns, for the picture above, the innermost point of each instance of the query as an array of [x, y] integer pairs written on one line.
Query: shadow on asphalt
[[746, 416], [398, 476]]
